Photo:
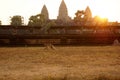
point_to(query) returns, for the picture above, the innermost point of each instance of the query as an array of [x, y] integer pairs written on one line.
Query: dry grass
[[64, 63]]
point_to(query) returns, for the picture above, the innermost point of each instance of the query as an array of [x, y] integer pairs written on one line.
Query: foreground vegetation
[[63, 63]]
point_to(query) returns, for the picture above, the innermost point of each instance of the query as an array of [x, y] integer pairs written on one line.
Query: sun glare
[[107, 9]]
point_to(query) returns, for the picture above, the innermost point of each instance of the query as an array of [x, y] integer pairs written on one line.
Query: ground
[[73, 62]]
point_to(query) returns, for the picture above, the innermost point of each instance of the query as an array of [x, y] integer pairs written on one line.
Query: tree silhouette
[[37, 20], [83, 17], [16, 20], [79, 16], [41, 21]]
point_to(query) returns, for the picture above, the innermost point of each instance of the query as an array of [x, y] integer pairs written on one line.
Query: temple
[[63, 12], [63, 18], [88, 14], [44, 12], [82, 17]]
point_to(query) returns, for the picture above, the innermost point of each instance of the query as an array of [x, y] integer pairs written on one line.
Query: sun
[[106, 14], [106, 9]]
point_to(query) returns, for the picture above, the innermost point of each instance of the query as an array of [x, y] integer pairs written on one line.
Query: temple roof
[[88, 12], [44, 11], [63, 12]]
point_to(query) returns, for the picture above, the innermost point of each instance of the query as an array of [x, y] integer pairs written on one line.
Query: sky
[[104, 8]]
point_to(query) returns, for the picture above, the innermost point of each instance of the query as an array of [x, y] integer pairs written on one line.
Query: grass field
[[64, 63]]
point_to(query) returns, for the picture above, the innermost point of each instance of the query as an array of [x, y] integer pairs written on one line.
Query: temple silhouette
[[62, 15], [63, 12], [82, 16], [44, 12], [82, 30]]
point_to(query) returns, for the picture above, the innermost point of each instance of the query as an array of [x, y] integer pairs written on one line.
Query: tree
[[83, 17], [79, 18], [17, 20], [40, 21], [37, 20]]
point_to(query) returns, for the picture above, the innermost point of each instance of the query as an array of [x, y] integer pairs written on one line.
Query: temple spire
[[63, 12], [44, 12], [88, 13]]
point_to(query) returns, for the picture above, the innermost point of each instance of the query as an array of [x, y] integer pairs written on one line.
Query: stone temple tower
[[88, 14], [63, 12], [44, 12]]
